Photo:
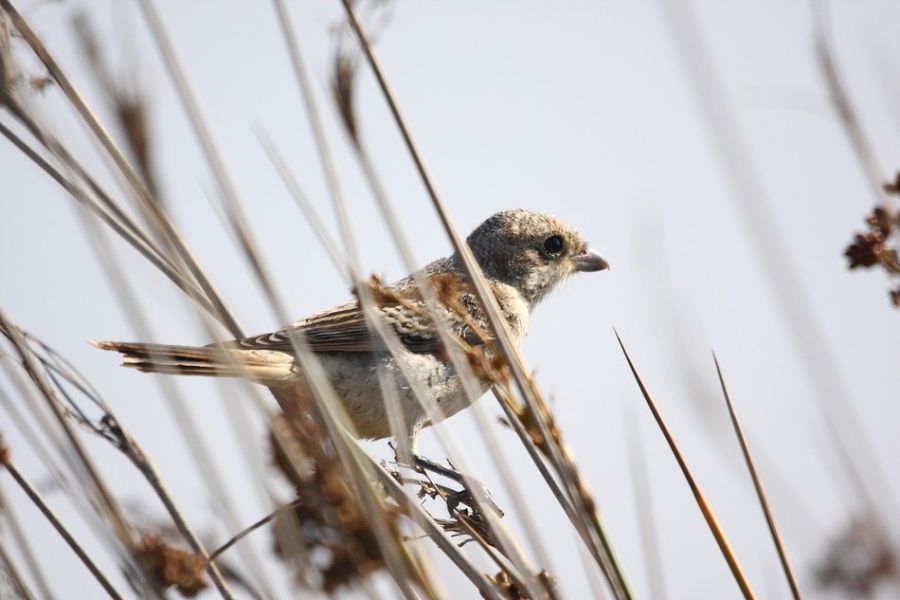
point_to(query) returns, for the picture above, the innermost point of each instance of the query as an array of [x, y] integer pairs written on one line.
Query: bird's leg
[[425, 465]]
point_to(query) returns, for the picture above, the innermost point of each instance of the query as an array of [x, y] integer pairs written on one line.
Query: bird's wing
[[343, 328]]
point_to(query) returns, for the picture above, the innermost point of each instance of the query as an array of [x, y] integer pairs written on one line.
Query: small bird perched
[[524, 255]]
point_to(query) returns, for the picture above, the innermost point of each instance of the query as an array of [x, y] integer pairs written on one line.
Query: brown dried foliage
[[508, 588], [858, 560], [333, 523], [877, 247], [172, 567]]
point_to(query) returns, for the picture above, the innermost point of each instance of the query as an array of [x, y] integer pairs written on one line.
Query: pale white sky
[[582, 109]]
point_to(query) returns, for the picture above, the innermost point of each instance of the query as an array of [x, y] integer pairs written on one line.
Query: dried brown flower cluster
[[858, 560], [172, 567], [339, 545], [877, 246]]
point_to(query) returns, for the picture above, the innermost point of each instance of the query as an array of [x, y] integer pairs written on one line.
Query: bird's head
[[532, 252]]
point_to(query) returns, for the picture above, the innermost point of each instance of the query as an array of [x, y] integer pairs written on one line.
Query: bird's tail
[[265, 366]]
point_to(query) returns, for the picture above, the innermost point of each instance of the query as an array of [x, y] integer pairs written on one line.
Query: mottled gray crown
[[511, 246]]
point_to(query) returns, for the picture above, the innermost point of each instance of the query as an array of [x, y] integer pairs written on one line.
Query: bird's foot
[[473, 489]]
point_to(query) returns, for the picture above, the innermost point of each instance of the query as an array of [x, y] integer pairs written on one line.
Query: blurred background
[[697, 145]]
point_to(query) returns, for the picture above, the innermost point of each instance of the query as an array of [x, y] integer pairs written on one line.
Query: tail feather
[[211, 361]]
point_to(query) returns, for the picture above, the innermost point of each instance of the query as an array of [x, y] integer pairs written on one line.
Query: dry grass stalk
[[38, 501], [9, 574], [35, 569], [818, 360], [109, 428], [840, 98], [106, 503], [161, 221], [151, 208], [187, 425], [708, 514], [96, 200], [760, 491], [129, 107]]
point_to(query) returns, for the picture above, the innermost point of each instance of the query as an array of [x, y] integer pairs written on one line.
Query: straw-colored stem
[[22, 541], [48, 513], [153, 209], [139, 459], [843, 105], [124, 228], [108, 504], [793, 300], [186, 423], [760, 491], [10, 572], [705, 509]]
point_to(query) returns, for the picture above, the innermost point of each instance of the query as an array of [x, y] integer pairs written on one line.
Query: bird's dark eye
[[554, 245]]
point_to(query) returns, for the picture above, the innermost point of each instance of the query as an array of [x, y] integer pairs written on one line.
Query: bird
[[523, 255]]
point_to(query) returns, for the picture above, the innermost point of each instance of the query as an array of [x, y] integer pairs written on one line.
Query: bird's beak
[[589, 261]]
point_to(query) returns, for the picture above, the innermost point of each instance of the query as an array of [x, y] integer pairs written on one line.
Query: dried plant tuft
[[343, 89], [340, 546], [877, 247], [172, 567], [858, 560]]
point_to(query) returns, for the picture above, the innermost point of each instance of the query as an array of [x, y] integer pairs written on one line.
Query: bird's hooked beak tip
[[590, 261]]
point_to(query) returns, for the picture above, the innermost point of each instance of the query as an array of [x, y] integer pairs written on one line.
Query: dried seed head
[[892, 187], [343, 87], [877, 246], [335, 544], [172, 566], [858, 560], [865, 249]]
